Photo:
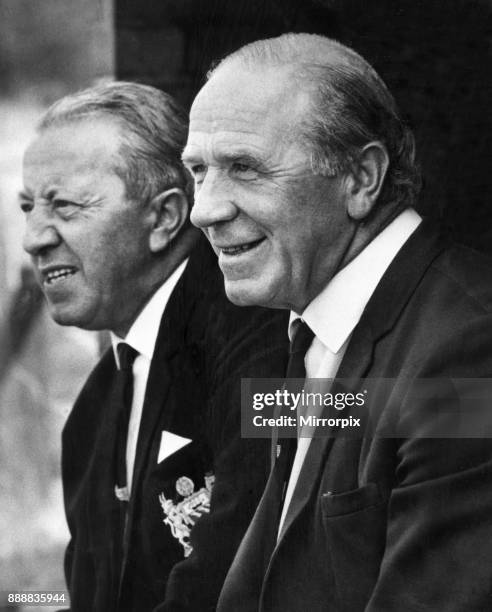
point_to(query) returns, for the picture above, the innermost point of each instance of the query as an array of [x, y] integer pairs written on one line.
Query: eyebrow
[[241, 156], [189, 158], [50, 195], [238, 155]]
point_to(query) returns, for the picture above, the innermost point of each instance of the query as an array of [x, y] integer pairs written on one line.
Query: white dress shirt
[[142, 337], [335, 312]]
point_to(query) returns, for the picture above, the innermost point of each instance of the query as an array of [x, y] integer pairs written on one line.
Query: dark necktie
[[301, 341], [124, 396], [284, 450]]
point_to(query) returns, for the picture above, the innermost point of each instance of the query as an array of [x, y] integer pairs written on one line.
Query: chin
[[64, 319], [244, 294], [67, 317], [239, 300]]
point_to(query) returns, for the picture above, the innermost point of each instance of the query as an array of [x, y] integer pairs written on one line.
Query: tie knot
[[302, 337], [126, 355]]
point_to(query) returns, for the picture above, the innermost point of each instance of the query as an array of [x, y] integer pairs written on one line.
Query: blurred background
[[433, 54], [47, 49]]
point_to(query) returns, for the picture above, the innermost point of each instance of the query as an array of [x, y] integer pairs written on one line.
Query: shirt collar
[[335, 312], [142, 335]]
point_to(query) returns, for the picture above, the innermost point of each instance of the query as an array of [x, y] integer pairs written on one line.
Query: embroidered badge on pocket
[[182, 516]]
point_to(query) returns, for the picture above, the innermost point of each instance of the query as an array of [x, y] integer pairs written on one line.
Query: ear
[[366, 180], [169, 211]]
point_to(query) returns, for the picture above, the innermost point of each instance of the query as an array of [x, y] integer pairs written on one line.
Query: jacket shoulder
[[87, 410]]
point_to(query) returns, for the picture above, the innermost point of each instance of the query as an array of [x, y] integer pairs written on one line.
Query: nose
[[40, 233], [213, 203]]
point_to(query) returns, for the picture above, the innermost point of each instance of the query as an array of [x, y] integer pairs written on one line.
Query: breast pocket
[[339, 504], [355, 526]]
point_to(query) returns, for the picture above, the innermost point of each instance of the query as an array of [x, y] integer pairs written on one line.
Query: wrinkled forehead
[[69, 153], [239, 101]]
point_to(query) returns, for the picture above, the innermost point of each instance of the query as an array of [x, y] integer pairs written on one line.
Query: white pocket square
[[170, 443]]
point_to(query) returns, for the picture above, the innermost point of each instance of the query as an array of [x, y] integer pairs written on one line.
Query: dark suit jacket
[[390, 524], [204, 346]]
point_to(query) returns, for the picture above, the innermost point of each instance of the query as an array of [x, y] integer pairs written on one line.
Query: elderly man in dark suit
[[159, 488], [305, 182]]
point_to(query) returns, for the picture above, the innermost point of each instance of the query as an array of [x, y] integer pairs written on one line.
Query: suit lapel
[[355, 364], [393, 292], [102, 468], [104, 510], [156, 392], [174, 338]]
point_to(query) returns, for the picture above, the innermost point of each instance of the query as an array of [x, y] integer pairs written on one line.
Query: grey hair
[[153, 133], [350, 106]]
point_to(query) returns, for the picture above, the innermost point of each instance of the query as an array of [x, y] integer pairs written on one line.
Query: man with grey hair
[[305, 182], [154, 471]]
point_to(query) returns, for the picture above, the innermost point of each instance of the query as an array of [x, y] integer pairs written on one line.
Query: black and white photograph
[[245, 306]]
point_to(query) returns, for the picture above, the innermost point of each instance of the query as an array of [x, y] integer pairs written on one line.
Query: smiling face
[[279, 230], [88, 242]]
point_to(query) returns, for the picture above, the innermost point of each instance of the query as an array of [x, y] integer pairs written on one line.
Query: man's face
[[279, 230], [88, 243]]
